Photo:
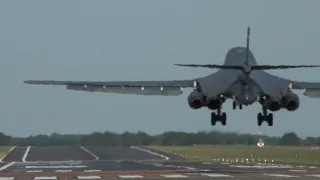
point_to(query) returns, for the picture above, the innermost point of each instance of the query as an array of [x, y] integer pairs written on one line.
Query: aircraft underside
[[290, 102]]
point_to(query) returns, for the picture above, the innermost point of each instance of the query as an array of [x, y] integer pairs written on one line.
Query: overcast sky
[[141, 40]]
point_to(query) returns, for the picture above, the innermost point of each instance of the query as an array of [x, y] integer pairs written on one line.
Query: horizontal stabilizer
[[271, 67], [256, 67], [212, 66]]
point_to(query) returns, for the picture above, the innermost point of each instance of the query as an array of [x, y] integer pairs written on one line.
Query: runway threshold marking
[[150, 152], [215, 175], [89, 152], [314, 175], [92, 170], [173, 176], [280, 175], [89, 177], [11, 149], [45, 177], [6, 166], [26, 154], [54, 167], [130, 176], [6, 178]]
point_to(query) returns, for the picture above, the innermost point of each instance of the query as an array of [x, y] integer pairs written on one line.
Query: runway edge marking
[[89, 152], [26, 154], [6, 166], [215, 175], [150, 152], [11, 149]]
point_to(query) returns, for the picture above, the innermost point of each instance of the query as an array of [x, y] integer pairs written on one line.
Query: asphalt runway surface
[[134, 163]]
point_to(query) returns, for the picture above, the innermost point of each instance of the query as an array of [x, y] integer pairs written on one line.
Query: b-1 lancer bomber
[[240, 79]]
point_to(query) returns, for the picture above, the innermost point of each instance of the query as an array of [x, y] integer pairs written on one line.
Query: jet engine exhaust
[[272, 104], [196, 100], [291, 101]]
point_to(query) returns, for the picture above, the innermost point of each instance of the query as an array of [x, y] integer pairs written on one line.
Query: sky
[[106, 40]]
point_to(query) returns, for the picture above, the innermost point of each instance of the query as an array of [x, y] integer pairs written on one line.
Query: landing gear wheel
[[240, 106], [270, 119], [213, 119], [234, 105], [224, 119]]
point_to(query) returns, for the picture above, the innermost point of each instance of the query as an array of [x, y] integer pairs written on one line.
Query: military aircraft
[[240, 78]]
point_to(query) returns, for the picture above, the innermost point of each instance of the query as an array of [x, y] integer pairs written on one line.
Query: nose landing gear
[[235, 104]]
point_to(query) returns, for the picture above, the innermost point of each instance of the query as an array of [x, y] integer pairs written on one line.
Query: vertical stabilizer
[[247, 47]]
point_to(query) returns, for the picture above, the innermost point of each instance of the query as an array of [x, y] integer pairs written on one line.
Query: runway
[[134, 163]]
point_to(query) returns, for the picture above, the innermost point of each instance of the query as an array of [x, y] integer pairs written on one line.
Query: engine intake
[[196, 100], [291, 101]]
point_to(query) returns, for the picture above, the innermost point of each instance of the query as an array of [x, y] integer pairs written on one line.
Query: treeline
[[167, 138]]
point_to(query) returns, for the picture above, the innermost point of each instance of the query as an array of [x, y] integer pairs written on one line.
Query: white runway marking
[[314, 175], [298, 170], [54, 167], [216, 175], [26, 154], [89, 152], [174, 176], [6, 178], [92, 170], [34, 171], [8, 153], [150, 152], [280, 175], [45, 177], [6, 166], [88, 177], [130, 176], [63, 170]]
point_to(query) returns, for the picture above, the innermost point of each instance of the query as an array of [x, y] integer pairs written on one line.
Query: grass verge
[[279, 154]]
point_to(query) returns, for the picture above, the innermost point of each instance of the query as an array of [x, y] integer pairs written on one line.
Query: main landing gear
[[264, 116], [218, 116], [235, 104]]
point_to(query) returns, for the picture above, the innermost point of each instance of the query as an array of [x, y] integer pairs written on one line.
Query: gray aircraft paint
[[224, 81]]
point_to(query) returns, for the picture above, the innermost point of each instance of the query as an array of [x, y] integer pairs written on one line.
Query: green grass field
[[4, 150], [306, 155]]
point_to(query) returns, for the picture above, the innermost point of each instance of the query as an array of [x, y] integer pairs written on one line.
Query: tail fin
[[247, 48], [246, 67]]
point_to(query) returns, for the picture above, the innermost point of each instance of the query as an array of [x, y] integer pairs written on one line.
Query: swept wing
[[164, 88]]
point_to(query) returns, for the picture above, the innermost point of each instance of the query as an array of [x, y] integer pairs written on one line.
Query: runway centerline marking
[[6, 166], [26, 154], [89, 152], [150, 152], [8, 153]]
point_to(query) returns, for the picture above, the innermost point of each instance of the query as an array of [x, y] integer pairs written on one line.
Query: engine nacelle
[[291, 101], [272, 104], [196, 100]]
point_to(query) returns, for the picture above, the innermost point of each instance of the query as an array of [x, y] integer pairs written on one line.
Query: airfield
[[76, 162]]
